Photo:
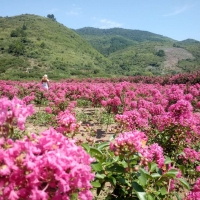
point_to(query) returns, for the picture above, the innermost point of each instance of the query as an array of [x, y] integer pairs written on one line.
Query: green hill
[[189, 42], [135, 52], [111, 40], [31, 45]]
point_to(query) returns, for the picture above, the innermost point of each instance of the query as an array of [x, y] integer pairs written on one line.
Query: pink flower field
[[128, 138]]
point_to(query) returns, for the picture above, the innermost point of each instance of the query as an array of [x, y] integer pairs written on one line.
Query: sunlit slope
[[31, 45]]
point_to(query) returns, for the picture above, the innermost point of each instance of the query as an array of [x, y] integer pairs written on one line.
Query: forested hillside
[[111, 40], [31, 46], [135, 52]]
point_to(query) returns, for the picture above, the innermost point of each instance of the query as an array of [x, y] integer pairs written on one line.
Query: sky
[[176, 19]]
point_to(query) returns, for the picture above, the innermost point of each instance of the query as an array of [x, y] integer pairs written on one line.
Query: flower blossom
[[135, 142], [14, 110], [67, 122], [45, 166], [194, 194]]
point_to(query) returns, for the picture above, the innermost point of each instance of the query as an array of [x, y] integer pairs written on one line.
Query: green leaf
[[116, 168], [137, 187], [115, 159], [86, 147], [149, 197], [168, 160], [144, 171], [171, 173], [122, 181], [143, 177], [124, 164], [178, 197], [182, 168], [155, 175], [163, 191], [184, 183], [160, 181], [94, 152], [141, 194], [191, 171], [97, 167], [96, 184], [152, 166], [103, 145], [112, 180], [133, 162], [74, 196], [100, 176], [160, 171]]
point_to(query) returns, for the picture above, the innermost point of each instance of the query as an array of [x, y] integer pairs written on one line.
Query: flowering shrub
[[67, 123], [130, 120], [135, 142], [13, 113], [45, 166], [195, 192], [134, 169], [156, 150]]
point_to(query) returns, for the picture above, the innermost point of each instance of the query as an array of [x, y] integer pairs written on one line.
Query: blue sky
[[177, 19]]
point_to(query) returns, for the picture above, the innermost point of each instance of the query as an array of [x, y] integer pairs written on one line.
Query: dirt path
[[90, 129]]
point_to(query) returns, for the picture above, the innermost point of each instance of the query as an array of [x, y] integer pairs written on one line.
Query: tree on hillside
[[17, 48], [18, 32], [24, 27], [51, 16], [160, 53]]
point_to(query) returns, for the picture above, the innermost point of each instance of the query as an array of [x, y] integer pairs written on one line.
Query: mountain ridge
[[145, 31], [123, 32]]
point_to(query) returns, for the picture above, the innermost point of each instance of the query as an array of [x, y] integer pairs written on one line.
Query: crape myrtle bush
[[44, 166], [154, 152]]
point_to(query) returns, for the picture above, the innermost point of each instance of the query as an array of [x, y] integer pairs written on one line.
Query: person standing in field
[[45, 82]]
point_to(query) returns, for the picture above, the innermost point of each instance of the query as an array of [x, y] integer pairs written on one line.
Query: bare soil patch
[[91, 128], [173, 55]]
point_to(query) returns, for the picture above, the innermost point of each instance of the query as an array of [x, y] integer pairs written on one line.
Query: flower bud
[[116, 153]]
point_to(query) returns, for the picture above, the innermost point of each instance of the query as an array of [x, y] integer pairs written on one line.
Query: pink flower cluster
[[174, 93], [155, 152], [133, 119], [195, 193], [45, 166], [135, 142], [29, 98], [191, 154], [67, 122], [178, 113], [48, 110], [14, 112], [181, 110], [112, 103], [198, 168]]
